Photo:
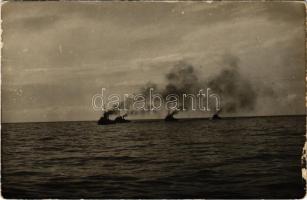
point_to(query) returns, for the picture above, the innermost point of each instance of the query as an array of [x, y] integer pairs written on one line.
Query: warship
[[105, 120], [170, 116], [121, 119], [216, 116]]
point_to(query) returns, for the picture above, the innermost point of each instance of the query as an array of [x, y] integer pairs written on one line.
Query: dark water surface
[[231, 158]]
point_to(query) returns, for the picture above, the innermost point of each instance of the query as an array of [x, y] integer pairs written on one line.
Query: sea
[[254, 157]]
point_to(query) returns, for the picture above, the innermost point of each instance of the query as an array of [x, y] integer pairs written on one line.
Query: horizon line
[[140, 119]]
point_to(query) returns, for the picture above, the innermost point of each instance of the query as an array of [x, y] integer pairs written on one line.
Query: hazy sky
[[57, 55]]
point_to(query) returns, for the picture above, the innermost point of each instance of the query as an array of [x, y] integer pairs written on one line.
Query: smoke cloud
[[237, 92], [182, 79]]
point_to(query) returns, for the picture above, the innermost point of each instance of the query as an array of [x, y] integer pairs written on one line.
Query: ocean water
[[230, 158]]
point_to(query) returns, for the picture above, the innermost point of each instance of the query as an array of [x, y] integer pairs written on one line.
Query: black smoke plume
[[236, 92], [182, 79]]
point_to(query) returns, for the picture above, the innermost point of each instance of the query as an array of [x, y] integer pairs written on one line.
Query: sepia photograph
[[153, 100]]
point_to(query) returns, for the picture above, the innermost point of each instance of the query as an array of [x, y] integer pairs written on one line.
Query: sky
[[57, 55]]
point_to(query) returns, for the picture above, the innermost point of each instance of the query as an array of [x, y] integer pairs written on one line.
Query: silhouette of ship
[[121, 119], [216, 116], [105, 120], [170, 116]]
